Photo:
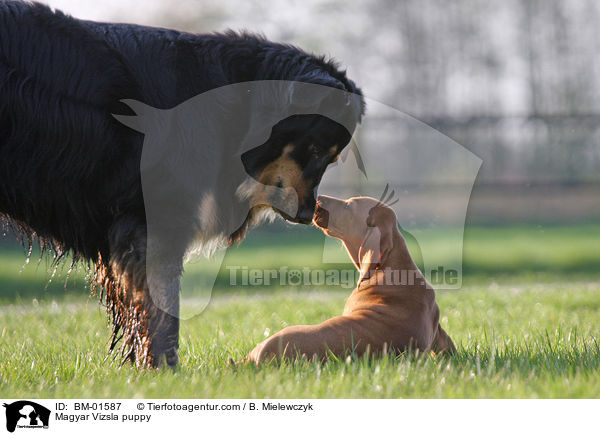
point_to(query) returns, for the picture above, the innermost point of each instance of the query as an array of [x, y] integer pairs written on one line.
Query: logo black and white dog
[[27, 414]]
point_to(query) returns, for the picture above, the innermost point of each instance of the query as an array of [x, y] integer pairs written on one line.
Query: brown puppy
[[393, 306]]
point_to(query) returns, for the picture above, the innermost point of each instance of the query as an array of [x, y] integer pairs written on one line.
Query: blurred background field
[[508, 253], [516, 83]]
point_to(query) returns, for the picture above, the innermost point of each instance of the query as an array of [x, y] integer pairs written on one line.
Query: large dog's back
[[58, 85]]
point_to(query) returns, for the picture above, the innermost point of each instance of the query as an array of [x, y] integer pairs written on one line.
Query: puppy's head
[[365, 226]]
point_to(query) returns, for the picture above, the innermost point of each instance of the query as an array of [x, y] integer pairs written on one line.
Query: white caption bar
[[297, 416]]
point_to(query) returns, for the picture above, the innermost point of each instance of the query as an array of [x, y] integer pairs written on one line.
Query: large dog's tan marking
[[283, 172]]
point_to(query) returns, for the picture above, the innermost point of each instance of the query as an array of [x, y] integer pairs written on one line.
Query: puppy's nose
[[321, 217]]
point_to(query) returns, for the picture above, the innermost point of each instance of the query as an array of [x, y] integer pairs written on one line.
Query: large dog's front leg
[[163, 332], [141, 291], [163, 325]]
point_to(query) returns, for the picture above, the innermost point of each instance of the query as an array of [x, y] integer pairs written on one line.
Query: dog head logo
[[26, 414], [219, 162]]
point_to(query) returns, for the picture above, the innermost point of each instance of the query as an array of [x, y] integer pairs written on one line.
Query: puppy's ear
[[379, 240]]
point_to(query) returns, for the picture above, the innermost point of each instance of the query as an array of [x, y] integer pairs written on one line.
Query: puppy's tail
[[235, 364]]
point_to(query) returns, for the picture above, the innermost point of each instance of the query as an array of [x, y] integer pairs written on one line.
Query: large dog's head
[[295, 156], [320, 108]]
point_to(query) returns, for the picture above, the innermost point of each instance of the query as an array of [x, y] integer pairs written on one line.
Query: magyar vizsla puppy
[[393, 306]]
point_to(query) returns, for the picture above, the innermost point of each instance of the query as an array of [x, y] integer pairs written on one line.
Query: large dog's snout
[[304, 216], [306, 211]]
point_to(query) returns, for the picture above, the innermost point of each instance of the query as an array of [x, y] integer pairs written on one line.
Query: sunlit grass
[[528, 341], [525, 322]]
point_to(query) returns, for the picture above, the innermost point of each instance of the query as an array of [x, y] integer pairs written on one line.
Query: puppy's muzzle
[[321, 217]]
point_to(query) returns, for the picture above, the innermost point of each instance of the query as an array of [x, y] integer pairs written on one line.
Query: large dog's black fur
[[70, 172]]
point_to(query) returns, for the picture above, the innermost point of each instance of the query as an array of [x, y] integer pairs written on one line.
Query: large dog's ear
[[379, 240]]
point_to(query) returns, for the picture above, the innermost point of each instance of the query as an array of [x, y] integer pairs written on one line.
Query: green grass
[[525, 322], [532, 341]]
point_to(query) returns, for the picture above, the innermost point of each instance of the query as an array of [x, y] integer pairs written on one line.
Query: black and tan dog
[[70, 172], [393, 306]]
